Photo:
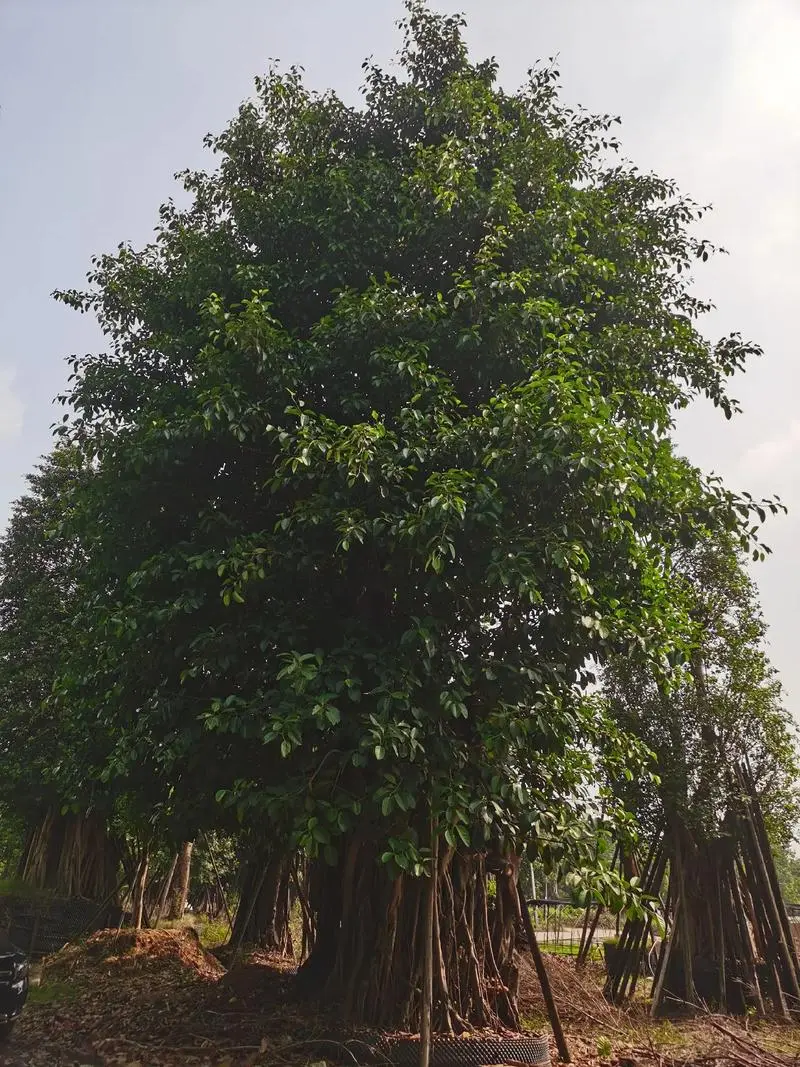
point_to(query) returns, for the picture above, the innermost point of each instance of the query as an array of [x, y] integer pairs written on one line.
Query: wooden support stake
[[586, 944], [248, 914], [622, 979], [137, 892], [164, 894], [587, 932], [653, 877], [217, 876], [745, 914], [426, 1017], [771, 870], [771, 907], [721, 946], [665, 956], [584, 931], [544, 981]]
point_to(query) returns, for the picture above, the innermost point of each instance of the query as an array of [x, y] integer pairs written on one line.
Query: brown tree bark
[[262, 917], [180, 887], [426, 1008], [370, 946], [165, 890], [138, 888], [71, 855]]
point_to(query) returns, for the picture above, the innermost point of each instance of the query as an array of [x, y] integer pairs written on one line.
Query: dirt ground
[[157, 999]]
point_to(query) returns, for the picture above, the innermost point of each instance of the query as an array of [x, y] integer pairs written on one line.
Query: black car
[[13, 984]]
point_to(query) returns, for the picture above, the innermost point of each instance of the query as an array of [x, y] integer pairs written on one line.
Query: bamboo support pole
[[544, 980], [426, 1016]]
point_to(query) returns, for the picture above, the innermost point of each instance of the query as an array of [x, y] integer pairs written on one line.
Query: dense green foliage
[[39, 597], [725, 705], [384, 459], [788, 867], [376, 475]]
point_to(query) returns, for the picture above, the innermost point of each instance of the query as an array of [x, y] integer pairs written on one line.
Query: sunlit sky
[[100, 103]]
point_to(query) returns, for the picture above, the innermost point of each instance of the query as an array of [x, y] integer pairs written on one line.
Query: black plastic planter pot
[[469, 1052]]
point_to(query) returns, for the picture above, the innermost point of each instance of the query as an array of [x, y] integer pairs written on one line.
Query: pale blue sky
[[102, 100]]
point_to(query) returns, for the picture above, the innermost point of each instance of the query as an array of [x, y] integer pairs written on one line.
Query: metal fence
[[42, 925], [559, 927]]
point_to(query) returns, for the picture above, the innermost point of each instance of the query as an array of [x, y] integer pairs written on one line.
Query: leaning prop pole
[[220, 887], [164, 894], [425, 1027], [544, 981]]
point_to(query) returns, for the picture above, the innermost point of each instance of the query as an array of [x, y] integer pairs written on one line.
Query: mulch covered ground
[[600, 1034], [158, 999]]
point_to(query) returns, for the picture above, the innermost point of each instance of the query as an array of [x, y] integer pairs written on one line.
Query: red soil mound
[[137, 950]]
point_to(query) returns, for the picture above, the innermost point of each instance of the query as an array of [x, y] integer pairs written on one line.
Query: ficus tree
[[722, 705], [74, 822], [70, 851], [721, 708], [383, 454]]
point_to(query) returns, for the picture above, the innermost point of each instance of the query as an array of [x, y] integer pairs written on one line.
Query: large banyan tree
[[383, 458]]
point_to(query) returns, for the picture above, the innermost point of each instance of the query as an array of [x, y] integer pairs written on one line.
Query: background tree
[[179, 894], [383, 461], [788, 866], [216, 863], [724, 705], [721, 710], [40, 588]]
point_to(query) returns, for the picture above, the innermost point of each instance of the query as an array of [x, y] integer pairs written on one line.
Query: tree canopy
[[381, 472], [39, 596], [725, 705], [383, 444]]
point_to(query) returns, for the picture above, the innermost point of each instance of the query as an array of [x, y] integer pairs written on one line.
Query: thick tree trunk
[[72, 855], [262, 917], [180, 887], [370, 946]]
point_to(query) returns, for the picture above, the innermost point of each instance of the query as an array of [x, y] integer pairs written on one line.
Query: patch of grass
[[604, 1048], [535, 1021], [777, 1038], [212, 932], [296, 927], [557, 949], [15, 887], [55, 992], [666, 1034]]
